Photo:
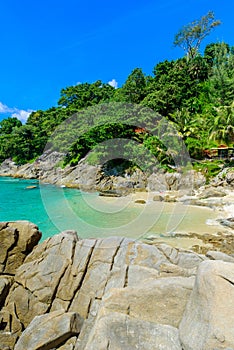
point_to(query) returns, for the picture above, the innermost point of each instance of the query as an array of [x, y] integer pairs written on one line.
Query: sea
[[55, 209]]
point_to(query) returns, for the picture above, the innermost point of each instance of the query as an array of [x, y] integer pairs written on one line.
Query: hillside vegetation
[[194, 93]]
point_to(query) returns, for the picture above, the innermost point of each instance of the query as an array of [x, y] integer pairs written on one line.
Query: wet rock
[[158, 198], [221, 241], [112, 193], [140, 201], [169, 198], [227, 222]]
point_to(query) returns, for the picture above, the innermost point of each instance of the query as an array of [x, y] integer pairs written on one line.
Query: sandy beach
[[178, 223]]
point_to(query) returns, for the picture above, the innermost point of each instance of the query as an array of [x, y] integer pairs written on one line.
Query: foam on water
[[229, 210], [211, 222]]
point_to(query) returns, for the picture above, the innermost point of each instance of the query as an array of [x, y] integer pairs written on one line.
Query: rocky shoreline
[[87, 177], [188, 187], [114, 293], [94, 178], [117, 293]]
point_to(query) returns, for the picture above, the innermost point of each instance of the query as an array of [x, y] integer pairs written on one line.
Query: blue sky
[[47, 45]]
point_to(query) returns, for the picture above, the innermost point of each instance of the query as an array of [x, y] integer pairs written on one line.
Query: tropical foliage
[[194, 94]]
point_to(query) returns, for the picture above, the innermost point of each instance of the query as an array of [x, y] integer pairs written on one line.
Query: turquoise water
[[56, 209], [19, 203]]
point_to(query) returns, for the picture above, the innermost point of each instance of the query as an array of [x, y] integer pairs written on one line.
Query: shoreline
[[186, 238], [221, 208]]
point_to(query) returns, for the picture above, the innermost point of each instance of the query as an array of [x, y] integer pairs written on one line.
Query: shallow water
[[56, 209]]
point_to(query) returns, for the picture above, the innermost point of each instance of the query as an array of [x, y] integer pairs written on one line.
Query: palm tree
[[222, 129]]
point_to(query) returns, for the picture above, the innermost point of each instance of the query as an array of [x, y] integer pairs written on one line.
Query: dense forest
[[195, 94]]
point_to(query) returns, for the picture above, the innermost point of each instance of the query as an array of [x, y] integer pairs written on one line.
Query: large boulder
[[192, 179], [216, 255], [208, 321], [224, 178], [65, 273], [50, 330], [210, 192], [157, 182], [38, 279], [108, 268], [129, 294], [230, 177], [186, 182], [229, 222], [117, 331], [8, 168], [17, 240], [83, 176], [160, 300]]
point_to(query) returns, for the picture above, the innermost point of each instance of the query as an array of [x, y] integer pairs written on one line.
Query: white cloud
[[20, 114], [113, 83], [4, 108]]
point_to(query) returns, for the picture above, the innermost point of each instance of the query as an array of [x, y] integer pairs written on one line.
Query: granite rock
[[17, 240], [50, 331], [117, 331], [123, 293], [208, 321]]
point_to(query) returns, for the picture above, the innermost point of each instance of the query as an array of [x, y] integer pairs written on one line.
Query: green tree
[[189, 38], [211, 51], [7, 128], [176, 84], [133, 90], [193, 131], [22, 144], [8, 125], [222, 129], [222, 76], [85, 95]]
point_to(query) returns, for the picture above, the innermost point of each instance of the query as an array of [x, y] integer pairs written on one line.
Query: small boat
[[30, 187]]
